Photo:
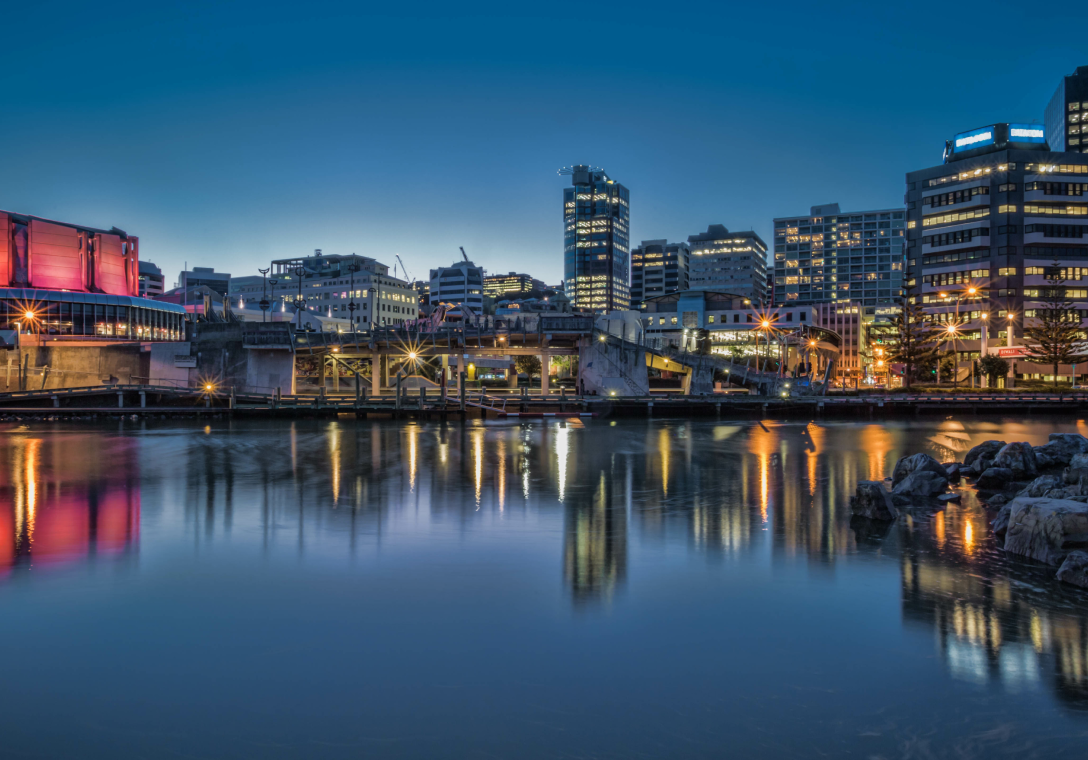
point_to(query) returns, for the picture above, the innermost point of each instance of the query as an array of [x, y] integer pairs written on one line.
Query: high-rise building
[[734, 262], [985, 228], [514, 282], [658, 267], [461, 283], [1067, 114], [596, 241], [831, 256]]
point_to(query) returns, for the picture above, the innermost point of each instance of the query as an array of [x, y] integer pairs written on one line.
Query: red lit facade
[[46, 255]]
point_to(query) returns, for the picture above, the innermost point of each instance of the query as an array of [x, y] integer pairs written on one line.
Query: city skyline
[[233, 148]]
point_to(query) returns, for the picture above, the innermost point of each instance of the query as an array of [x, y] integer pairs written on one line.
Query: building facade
[[498, 285], [831, 255], [735, 262], [658, 267], [1066, 116], [150, 280], [596, 241], [459, 284], [329, 286], [197, 276], [986, 228]]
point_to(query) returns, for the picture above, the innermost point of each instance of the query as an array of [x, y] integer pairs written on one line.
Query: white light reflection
[[562, 450]]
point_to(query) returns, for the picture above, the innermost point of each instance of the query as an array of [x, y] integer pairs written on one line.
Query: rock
[[1075, 569], [953, 470], [1076, 473], [1000, 523], [1018, 457], [1060, 449], [921, 484], [949, 497], [917, 463], [873, 502], [994, 479], [1042, 485], [982, 456], [1046, 529], [998, 500]]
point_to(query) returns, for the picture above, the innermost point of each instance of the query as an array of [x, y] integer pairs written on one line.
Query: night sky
[[232, 133]]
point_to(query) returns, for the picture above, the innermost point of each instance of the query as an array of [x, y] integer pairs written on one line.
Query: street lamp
[[951, 333], [373, 306], [300, 302], [353, 267], [264, 303]]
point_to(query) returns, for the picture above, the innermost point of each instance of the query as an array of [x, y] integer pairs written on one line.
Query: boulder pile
[[1042, 493]]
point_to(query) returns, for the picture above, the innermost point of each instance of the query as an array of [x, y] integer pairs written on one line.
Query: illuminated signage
[[976, 138], [1026, 133]]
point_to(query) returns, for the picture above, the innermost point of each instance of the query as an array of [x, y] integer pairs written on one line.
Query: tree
[[528, 365], [993, 367], [915, 336], [1055, 337]]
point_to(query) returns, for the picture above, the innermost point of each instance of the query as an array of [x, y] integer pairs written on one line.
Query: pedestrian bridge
[[609, 363]]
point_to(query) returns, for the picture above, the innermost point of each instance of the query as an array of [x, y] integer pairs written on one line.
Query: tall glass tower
[[596, 241]]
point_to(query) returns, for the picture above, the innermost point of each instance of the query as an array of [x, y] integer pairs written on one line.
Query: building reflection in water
[[61, 500], [726, 490], [997, 620]]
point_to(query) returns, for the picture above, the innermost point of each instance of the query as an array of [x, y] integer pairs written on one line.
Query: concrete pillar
[[512, 376], [375, 373], [321, 373], [545, 373], [460, 371], [335, 376]]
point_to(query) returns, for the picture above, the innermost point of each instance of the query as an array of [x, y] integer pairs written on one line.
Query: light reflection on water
[[567, 538]]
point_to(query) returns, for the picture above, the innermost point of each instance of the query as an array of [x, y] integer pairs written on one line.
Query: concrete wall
[[223, 359], [73, 366], [605, 367]]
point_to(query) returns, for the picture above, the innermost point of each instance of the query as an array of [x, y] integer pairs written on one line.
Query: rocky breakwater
[[1041, 493], [918, 481], [1042, 496]]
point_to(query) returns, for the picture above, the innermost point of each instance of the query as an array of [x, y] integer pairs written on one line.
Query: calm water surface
[[636, 589]]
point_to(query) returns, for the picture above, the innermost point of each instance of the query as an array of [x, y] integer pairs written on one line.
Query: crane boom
[[463, 254], [403, 268]]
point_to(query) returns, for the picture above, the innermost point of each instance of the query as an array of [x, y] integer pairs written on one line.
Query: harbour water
[[652, 589]]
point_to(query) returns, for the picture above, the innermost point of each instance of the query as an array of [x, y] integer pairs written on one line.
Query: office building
[[731, 261], [596, 241], [658, 267], [330, 286], [197, 276], [498, 285], [462, 283], [150, 280], [831, 256], [1067, 114], [995, 218]]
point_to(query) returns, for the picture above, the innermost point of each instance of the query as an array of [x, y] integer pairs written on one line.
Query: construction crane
[[463, 254], [403, 268]]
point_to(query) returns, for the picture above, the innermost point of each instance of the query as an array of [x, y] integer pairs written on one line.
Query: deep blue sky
[[237, 132]]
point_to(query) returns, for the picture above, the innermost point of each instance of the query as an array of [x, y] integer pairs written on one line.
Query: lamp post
[[971, 291], [272, 296], [264, 303], [300, 302], [353, 267], [951, 333], [1010, 380]]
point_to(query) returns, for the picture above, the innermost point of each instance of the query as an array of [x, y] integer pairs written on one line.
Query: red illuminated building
[[68, 279]]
